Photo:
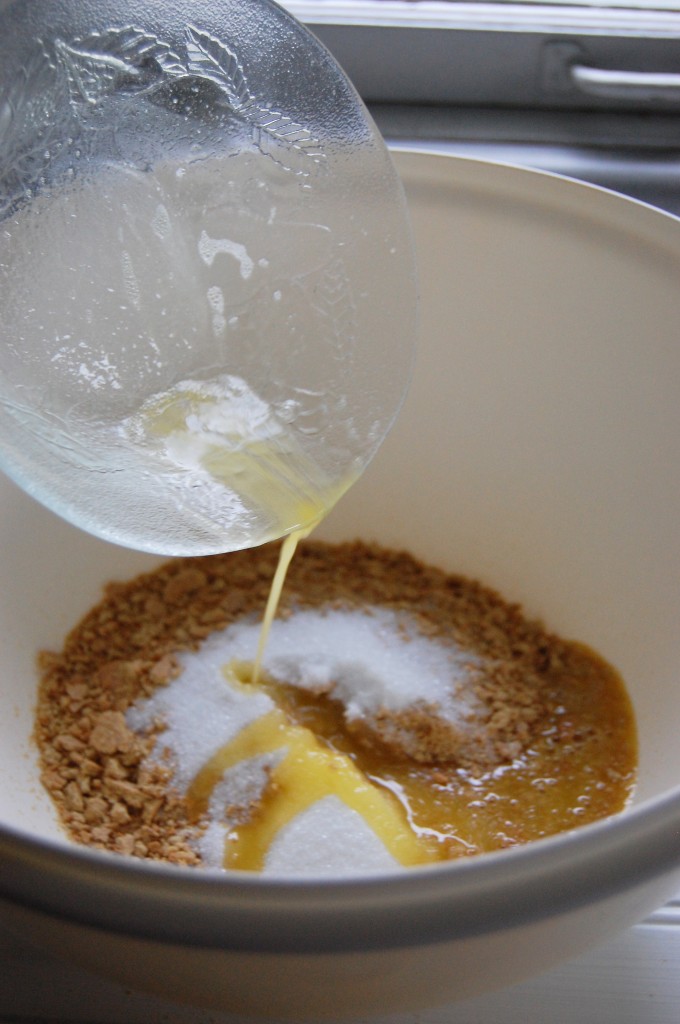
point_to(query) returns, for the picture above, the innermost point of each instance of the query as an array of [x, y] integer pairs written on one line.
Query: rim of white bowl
[[419, 906]]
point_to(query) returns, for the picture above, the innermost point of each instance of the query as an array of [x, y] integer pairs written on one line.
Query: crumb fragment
[[110, 733]]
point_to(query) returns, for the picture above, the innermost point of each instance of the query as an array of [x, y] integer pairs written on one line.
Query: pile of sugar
[[369, 660], [132, 706], [374, 662]]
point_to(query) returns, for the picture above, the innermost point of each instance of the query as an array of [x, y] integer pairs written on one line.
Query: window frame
[[538, 56]]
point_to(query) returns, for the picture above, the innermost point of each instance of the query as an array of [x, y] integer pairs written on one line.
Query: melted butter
[[231, 435], [308, 770], [288, 549]]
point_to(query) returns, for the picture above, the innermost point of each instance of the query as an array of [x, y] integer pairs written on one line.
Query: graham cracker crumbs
[[110, 795]]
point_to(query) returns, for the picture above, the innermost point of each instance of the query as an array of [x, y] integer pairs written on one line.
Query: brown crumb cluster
[[110, 795]]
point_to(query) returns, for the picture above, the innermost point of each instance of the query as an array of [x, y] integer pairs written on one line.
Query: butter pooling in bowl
[[206, 271]]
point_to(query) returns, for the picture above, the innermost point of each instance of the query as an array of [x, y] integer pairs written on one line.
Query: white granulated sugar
[[200, 712], [343, 844], [368, 661], [326, 839], [210, 845], [243, 784]]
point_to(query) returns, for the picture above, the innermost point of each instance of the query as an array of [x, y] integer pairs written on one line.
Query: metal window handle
[[567, 73], [634, 85]]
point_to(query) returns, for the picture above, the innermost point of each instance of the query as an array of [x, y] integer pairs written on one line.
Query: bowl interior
[[538, 450]]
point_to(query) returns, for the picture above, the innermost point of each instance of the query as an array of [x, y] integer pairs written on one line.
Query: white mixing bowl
[[539, 451]]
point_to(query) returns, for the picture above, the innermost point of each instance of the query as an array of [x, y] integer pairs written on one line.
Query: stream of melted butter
[[288, 549]]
